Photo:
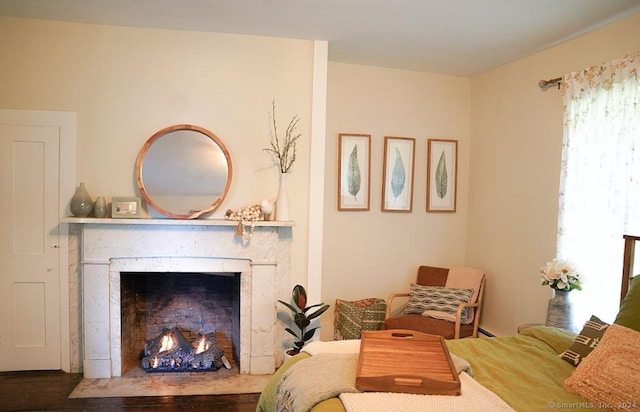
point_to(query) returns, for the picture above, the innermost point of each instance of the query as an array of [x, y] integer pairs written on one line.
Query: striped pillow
[[437, 298]]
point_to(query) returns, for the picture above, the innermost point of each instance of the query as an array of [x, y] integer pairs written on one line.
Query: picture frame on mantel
[[442, 175], [354, 171], [397, 174], [125, 207]]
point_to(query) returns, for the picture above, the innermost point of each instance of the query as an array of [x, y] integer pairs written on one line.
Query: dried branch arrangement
[[284, 150]]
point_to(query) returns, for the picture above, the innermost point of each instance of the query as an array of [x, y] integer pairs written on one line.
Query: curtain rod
[[543, 84]]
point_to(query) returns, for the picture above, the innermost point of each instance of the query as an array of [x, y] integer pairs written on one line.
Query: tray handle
[[402, 335], [407, 381]]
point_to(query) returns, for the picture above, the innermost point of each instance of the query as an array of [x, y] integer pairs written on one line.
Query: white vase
[[559, 311], [282, 201]]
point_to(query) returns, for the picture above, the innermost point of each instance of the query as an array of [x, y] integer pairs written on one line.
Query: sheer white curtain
[[600, 180]]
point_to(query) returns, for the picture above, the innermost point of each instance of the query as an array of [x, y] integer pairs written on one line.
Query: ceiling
[[457, 37]]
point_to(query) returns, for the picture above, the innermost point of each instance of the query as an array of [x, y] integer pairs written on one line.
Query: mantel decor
[[246, 216], [284, 151], [183, 171], [100, 207], [81, 203], [125, 207]]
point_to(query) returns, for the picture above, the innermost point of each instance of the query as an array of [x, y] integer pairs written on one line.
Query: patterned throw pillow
[[586, 341], [352, 318], [440, 298]]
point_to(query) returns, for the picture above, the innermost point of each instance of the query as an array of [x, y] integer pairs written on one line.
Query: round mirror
[[183, 171]]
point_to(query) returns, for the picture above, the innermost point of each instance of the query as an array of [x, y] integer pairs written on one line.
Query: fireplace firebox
[[176, 322]]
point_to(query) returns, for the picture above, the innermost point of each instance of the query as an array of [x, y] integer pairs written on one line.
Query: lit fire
[[167, 344], [172, 351], [202, 346]]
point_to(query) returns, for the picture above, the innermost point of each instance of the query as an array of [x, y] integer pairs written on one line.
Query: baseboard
[[486, 333]]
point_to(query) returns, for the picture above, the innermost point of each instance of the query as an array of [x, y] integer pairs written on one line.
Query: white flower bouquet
[[560, 275]]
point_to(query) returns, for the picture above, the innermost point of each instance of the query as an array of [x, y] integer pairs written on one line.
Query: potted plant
[[302, 317]]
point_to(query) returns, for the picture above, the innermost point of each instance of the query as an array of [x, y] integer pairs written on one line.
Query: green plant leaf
[[309, 334], [398, 175], [295, 335], [441, 177], [301, 321], [353, 173], [291, 307], [311, 307], [318, 312]]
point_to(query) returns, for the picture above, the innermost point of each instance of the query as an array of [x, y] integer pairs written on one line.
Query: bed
[[534, 370]]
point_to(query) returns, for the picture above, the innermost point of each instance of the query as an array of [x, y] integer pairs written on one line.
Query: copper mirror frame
[[183, 171]]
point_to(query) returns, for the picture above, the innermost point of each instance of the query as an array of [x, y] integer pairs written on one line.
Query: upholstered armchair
[[442, 301]]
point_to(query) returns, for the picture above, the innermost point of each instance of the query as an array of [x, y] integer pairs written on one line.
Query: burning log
[[207, 354], [166, 340], [171, 351]]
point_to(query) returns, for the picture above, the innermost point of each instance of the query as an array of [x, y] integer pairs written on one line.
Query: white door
[[29, 253]]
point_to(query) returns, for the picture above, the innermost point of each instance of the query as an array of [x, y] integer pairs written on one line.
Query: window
[[600, 181]]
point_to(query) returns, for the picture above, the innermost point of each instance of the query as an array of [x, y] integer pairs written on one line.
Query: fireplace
[[110, 249], [179, 322]]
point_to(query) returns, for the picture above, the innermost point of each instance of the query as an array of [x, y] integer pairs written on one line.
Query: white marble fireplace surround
[[111, 246]]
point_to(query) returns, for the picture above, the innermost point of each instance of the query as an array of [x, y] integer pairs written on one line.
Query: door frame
[[66, 122]]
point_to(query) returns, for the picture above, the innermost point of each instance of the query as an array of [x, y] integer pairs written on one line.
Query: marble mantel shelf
[[172, 222]]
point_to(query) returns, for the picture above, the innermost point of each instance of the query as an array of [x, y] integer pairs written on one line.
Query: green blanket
[[524, 370]]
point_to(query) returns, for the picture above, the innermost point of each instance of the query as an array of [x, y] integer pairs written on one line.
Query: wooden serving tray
[[399, 360]]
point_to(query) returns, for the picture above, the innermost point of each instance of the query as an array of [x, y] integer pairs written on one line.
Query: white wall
[[127, 83], [516, 131], [372, 253]]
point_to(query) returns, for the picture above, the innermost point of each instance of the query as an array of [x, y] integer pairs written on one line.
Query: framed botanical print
[[354, 171], [442, 175], [397, 174]]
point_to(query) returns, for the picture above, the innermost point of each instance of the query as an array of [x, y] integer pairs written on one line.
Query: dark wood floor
[[49, 391]]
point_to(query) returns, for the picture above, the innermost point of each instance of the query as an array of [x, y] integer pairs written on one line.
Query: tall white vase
[[282, 201]]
